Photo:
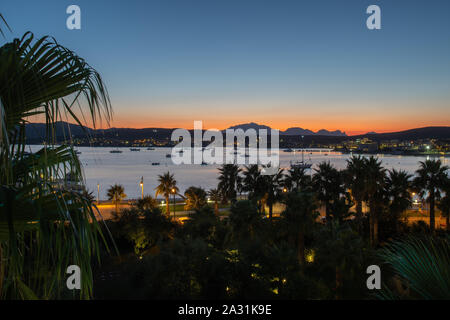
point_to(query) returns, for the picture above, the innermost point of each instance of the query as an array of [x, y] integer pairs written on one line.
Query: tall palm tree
[[251, 180], [41, 77], [273, 185], [297, 179], [116, 193], [327, 183], [398, 194], [429, 182], [167, 186], [215, 196], [229, 180], [300, 214], [254, 184], [355, 180], [374, 193]]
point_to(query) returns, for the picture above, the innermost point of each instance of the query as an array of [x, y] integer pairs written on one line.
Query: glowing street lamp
[[98, 192], [142, 186], [173, 192]]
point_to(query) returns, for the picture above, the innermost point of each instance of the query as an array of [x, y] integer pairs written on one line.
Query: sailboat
[[301, 164]]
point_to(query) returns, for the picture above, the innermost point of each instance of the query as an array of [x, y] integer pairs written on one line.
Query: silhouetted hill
[[295, 131], [412, 134], [36, 134]]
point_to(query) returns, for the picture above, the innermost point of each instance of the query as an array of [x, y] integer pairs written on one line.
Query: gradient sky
[[311, 64]]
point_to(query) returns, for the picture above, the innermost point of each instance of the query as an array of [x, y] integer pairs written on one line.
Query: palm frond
[[423, 263]]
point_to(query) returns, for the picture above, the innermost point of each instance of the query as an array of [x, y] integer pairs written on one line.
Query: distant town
[[421, 141]]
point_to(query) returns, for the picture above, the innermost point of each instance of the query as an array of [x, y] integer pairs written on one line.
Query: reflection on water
[[127, 168]]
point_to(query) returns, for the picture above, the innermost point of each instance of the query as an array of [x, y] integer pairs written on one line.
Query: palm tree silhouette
[[229, 180], [398, 194], [355, 180], [147, 203], [374, 193], [41, 77], [430, 180], [167, 186], [297, 179], [116, 193], [300, 214], [195, 198], [273, 185], [327, 184]]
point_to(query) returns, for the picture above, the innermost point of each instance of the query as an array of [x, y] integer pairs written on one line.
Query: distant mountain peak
[[251, 125], [294, 131]]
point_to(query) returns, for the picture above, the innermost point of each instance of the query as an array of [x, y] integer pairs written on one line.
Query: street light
[[142, 186], [173, 192], [98, 192]]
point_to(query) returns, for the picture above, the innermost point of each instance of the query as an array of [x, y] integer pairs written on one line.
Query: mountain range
[[36, 132], [294, 131]]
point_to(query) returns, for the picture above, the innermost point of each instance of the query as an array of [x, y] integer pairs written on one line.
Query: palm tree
[[374, 193], [244, 220], [44, 78], [146, 203], [398, 194], [431, 178], [421, 264], [215, 196], [229, 180], [273, 185], [297, 179], [300, 214], [116, 193], [167, 186], [195, 198], [251, 180], [253, 183], [327, 184], [355, 180]]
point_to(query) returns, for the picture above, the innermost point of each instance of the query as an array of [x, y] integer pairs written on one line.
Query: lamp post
[[173, 192], [142, 186], [98, 192]]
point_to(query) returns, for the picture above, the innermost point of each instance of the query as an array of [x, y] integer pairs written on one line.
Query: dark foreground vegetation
[[47, 221], [296, 255]]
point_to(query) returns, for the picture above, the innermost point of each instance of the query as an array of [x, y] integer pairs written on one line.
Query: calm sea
[[126, 168]]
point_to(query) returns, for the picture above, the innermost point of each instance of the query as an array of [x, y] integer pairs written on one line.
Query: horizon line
[[315, 132]]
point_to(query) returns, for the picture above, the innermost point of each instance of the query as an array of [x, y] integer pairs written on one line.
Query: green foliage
[[144, 228], [422, 266], [167, 186], [46, 224], [195, 198]]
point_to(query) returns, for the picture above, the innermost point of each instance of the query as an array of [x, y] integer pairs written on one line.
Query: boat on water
[[204, 163], [155, 163], [77, 152], [288, 150], [135, 149], [168, 155], [150, 148], [115, 151], [301, 164]]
